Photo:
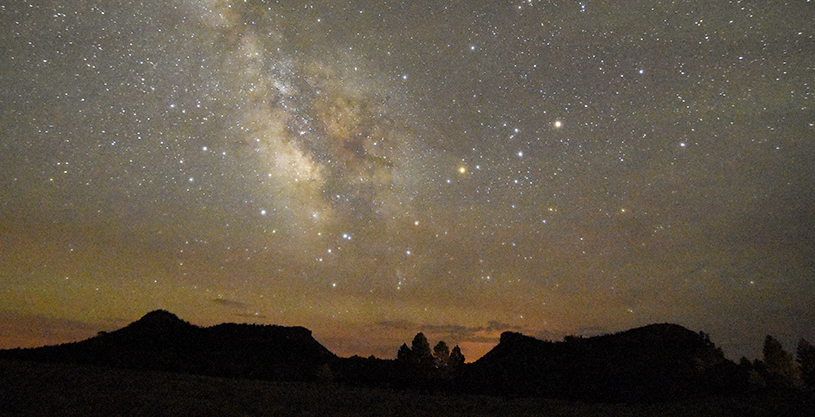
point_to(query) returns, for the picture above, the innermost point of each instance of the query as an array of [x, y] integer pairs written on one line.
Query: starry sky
[[372, 169]]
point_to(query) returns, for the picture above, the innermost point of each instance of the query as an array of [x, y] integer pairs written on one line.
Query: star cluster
[[372, 169]]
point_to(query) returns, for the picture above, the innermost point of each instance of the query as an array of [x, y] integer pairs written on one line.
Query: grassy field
[[32, 389]]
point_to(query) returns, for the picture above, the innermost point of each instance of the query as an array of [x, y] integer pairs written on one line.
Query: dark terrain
[[39, 389], [162, 365]]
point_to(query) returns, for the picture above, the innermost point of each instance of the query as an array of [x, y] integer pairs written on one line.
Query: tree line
[[419, 354], [779, 369], [429, 369]]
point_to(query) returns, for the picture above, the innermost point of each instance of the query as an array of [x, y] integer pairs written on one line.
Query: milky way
[[373, 169]]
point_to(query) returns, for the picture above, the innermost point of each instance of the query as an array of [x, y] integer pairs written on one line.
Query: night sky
[[372, 169]]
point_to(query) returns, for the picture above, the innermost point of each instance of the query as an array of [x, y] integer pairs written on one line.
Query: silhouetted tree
[[806, 361], [421, 347], [404, 355], [750, 373], [442, 353], [780, 368], [416, 362], [456, 359]]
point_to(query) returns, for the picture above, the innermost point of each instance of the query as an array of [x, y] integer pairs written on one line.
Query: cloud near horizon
[[232, 304], [453, 332], [40, 330]]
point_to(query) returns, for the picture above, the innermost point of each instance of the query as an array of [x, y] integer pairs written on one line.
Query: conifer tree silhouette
[[805, 356], [442, 354]]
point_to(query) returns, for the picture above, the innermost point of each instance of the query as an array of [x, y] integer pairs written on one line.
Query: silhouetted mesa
[[162, 341], [651, 363]]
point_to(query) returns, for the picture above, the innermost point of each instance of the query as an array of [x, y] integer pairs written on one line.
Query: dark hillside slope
[[652, 363], [162, 341]]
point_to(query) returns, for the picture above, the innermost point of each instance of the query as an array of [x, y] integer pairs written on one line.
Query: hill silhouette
[[652, 363], [162, 341]]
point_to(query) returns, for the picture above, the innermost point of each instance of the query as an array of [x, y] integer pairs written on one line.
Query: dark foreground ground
[[34, 389]]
